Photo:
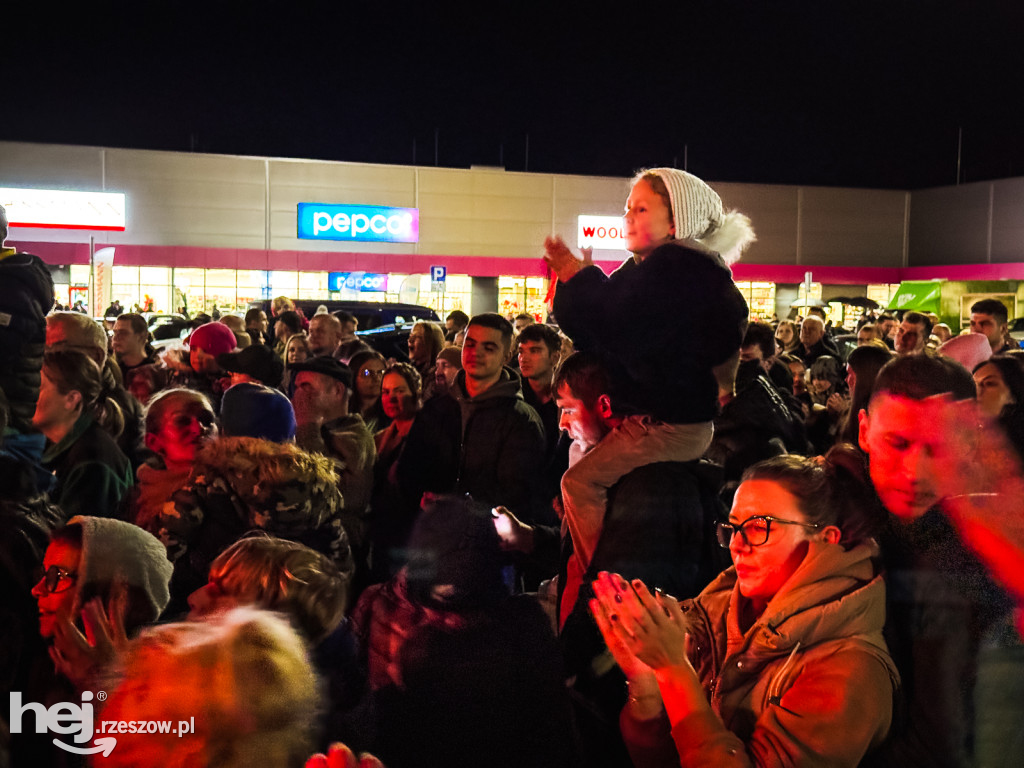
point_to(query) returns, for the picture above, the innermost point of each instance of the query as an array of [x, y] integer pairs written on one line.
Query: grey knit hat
[[696, 207], [114, 552]]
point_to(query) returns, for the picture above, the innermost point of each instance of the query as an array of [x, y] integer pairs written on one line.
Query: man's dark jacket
[[491, 447]]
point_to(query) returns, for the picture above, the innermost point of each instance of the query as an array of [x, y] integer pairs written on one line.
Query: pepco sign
[[367, 223]]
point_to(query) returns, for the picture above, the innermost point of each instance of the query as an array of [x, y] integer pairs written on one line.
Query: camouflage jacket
[[240, 484]]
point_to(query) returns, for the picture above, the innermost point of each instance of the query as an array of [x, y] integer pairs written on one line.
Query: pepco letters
[[396, 224]]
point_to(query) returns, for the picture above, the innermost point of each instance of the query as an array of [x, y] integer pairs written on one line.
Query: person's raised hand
[[651, 627], [562, 261]]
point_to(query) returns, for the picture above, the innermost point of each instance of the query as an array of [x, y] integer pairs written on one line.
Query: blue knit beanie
[[252, 410]]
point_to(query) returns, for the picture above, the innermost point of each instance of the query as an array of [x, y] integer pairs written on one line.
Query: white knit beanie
[[696, 207], [697, 214]]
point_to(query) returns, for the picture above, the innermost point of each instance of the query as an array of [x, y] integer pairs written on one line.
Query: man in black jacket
[[951, 549], [481, 438]]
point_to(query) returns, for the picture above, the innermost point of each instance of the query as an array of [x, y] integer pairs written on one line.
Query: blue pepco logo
[[357, 281], [367, 223]]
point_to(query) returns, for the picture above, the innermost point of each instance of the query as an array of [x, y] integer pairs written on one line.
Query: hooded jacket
[[810, 683], [26, 296], [349, 446], [240, 484], [490, 446]]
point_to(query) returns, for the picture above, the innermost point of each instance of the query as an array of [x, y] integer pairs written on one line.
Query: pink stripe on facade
[[477, 266]]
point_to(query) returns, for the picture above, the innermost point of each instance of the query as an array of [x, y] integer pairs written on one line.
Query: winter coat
[[659, 326], [26, 296], [154, 489], [490, 446], [810, 683], [240, 484], [349, 446], [93, 475], [943, 612], [659, 528], [479, 687]]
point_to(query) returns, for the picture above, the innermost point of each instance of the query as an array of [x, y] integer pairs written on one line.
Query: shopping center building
[[198, 230]]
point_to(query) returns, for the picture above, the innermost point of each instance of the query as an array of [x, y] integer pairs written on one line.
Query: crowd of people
[[654, 534]]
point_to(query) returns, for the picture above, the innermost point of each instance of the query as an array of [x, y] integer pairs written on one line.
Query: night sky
[[857, 94]]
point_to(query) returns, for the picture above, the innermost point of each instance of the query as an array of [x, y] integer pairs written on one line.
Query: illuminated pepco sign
[[367, 223], [364, 282], [63, 209], [601, 233]]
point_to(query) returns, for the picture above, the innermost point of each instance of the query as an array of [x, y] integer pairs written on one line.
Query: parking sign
[[438, 274]]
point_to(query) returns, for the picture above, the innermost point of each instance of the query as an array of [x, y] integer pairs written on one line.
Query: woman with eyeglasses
[[368, 373], [781, 659], [98, 571]]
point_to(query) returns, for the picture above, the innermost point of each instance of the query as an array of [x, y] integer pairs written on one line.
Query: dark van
[[370, 314]]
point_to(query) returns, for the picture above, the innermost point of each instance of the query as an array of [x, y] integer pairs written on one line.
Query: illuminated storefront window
[[189, 290], [146, 287], [284, 284], [457, 294], [252, 285], [882, 293], [523, 294], [760, 299], [312, 285]]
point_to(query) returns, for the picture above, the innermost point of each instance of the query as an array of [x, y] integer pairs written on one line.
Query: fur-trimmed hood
[[258, 469]]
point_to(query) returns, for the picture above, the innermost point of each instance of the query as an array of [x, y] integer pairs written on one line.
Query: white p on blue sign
[[368, 223], [438, 274]]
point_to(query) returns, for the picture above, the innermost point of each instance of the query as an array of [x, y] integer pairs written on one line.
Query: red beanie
[[213, 338]]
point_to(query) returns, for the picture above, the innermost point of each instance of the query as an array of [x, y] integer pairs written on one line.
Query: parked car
[[392, 341], [370, 314], [168, 330], [1017, 330]]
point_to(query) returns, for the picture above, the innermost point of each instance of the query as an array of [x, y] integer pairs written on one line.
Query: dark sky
[[832, 93]]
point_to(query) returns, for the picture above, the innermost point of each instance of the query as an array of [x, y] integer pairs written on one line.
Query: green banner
[[917, 295]]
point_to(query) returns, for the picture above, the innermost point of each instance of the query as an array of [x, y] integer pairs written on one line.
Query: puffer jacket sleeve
[[830, 715]]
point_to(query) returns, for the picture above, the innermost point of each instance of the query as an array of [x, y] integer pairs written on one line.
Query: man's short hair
[[817, 312], [992, 307], [525, 316], [458, 318], [498, 323], [761, 334], [814, 319], [344, 316], [916, 318], [253, 316], [291, 320], [585, 377], [544, 333], [916, 377], [884, 317]]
